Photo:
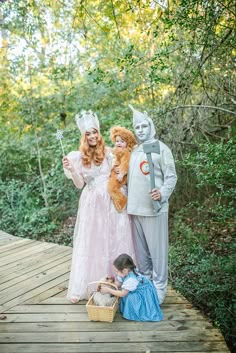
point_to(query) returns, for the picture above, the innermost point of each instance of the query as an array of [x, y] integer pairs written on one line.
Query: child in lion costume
[[124, 142]]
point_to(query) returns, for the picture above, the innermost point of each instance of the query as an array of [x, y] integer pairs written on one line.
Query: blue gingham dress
[[141, 303]]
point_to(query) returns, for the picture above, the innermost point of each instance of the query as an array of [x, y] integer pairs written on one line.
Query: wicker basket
[[101, 313]]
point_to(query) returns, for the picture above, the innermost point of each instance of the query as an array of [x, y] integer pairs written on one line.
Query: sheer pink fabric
[[101, 233]]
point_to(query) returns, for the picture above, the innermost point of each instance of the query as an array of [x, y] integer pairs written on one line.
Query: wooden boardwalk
[[37, 318]]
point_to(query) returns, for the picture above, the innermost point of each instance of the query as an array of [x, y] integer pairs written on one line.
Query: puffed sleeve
[[130, 284], [77, 177], [169, 173]]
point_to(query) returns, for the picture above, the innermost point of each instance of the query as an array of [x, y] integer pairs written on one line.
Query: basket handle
[[100, 282]]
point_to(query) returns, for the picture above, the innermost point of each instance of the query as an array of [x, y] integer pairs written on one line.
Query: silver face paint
[[143, 131]]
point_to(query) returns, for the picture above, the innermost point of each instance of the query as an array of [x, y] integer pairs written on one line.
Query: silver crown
[[87, 120]]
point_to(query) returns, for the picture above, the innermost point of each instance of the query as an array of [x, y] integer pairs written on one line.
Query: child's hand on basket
[[105, 289]]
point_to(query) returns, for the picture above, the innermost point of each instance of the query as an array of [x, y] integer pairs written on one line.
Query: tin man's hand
[[155, 194]]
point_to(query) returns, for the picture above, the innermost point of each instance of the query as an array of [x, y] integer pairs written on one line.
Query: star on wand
[[59, 136]]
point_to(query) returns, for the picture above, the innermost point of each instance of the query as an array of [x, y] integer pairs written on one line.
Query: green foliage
[[22, 210], [213, 167], [22, 197], [214, 164], [204, 273], [202, 252]]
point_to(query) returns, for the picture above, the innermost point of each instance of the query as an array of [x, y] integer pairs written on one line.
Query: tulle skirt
[[100, 235]]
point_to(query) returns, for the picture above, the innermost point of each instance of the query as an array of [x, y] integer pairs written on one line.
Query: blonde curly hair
[[125, 134]]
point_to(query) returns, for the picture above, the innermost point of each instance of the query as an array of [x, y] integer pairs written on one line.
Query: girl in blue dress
[[139, 300]]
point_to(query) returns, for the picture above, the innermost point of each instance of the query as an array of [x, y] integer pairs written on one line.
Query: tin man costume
[[150, 220]]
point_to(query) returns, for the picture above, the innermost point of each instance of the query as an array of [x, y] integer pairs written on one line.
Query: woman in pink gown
[[101, 233]]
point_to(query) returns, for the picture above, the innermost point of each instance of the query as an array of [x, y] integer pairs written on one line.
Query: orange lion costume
[[122, 157]]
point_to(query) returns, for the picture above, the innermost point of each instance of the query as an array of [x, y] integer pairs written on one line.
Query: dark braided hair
[[125, 261]]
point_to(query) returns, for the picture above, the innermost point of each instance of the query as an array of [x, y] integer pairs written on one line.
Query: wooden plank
[[81, 315], [11, 253], [175, 300], [35, 289], [41, 277], [19, 289], [108, 337], [48, 293], [32, 249], [5, 239], [61, 295], [3, 235], [75, 308], [170, 290], [55, 261], [125, 347], [25, 265], [61, 299], [6, 235], [123, 325], [14, 244]]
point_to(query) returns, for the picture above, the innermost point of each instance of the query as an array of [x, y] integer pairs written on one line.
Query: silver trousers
[[150, 235]]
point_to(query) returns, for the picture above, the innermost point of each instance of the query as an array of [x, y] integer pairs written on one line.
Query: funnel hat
[[139, 117]]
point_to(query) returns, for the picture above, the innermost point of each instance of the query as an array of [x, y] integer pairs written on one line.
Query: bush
[[22, 207], [205, 276], [22, 211], [202, 251], [26, 209]]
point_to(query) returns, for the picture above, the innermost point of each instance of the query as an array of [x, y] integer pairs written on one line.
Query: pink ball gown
[[101, 233]]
